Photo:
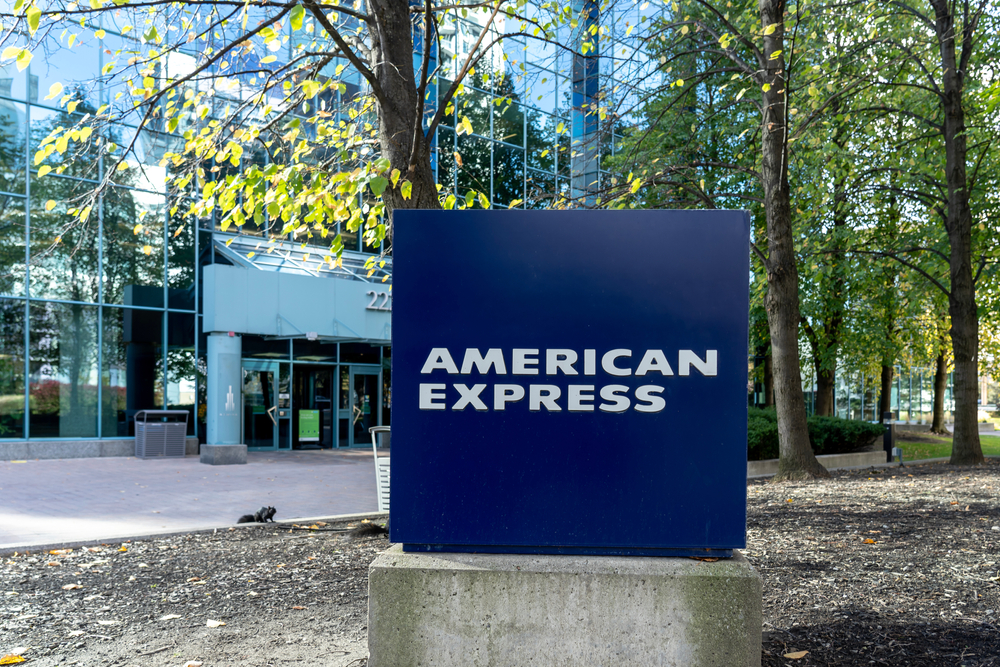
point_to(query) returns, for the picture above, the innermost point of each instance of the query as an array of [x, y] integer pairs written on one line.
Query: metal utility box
[[160, 433]]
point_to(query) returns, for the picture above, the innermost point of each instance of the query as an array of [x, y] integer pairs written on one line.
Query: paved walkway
[[77, 500]]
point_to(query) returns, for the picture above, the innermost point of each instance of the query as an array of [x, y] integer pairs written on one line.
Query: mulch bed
[[878, 567]]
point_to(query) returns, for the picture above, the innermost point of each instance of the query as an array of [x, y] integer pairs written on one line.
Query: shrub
[[762, 434], [827, 435], [833, 435]]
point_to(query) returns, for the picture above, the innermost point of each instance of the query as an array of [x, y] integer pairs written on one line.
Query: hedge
[[827, 435]]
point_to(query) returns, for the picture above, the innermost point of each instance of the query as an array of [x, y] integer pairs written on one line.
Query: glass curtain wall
[[96, 318]]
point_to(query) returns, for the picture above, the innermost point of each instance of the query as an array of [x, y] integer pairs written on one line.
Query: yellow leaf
[[268, 59], [44, 169], [50, 204], [869, 541], [684, 30], [137, 229], [769, 30], [146, 249], [458, 158], [23, 60], [10, 53], [11, 659], [795, 656], [122, 166], [54, 90], [100, 34]]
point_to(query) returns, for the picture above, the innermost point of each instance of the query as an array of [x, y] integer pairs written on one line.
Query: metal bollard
[[889, 439]]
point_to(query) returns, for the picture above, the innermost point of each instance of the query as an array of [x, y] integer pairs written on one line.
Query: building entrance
[[314, 399], [359, 401], [265, 404]]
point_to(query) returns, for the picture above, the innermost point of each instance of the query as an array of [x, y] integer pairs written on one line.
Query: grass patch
[[928, 446]]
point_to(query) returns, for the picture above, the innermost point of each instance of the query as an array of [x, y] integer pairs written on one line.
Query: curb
[[6, 549]]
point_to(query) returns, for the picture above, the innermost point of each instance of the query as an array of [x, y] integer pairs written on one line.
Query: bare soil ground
[[877, 567]]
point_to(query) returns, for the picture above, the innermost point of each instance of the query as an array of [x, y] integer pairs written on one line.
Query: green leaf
[[34, 17], [378, 185], [298, 13], [406, 189], [484, 200]]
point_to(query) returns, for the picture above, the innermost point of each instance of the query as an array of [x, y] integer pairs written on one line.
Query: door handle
[[270, 413]]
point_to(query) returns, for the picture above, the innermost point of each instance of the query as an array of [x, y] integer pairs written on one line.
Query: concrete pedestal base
[[496, 610], [223, 455]]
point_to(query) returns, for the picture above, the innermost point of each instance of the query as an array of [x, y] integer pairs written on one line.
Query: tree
[[948, 51], [249, 136]]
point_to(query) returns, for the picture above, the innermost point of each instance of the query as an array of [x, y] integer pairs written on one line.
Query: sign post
[[570, 384]]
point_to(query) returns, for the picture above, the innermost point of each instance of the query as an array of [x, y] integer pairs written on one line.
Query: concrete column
[[223, 414]]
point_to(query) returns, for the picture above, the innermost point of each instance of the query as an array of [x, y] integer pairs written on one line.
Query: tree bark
[[825, 383], [391, 60], [768, 381], [966, 449], [796, 458], [885, 399], [940, 386]]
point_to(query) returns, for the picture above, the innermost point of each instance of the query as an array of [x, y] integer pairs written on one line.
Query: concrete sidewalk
[[77, 500]]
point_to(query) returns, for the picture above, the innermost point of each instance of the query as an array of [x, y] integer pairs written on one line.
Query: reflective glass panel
[[12, 81], [508, 174], [180, 263], [133, 247], [78, 160], [11, 368], [74, 67], [63, 250], [181, 375], [63, 362], [13, 124], [12, 235]]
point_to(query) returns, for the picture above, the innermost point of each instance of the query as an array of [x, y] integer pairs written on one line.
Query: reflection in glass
[[13, 122], [64, 251], [180, 384], [63, 362], [11, 368], [11, 245], [75, 67], [131, 367], [79, 160], [133, 247], [180, 262]]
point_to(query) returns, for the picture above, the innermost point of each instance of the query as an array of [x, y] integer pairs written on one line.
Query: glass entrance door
[[358, 405], [260, 404]]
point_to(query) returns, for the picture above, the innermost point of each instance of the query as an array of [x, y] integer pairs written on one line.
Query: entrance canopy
[[284, 295]]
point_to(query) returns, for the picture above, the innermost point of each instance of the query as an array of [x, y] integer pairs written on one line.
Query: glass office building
[[103, 319]]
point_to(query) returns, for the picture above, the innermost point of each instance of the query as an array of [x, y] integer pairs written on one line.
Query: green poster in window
[[308, 425]]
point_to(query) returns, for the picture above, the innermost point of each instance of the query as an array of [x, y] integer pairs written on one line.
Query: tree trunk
[[885, 399], [768, 381], [391, 59], [796, 458], [825, 383], [966, 449], [940, 386]]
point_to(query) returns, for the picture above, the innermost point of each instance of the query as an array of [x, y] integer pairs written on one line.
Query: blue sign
[[570, 382]]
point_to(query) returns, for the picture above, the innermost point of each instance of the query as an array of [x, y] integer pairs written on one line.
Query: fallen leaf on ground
[[214, 624], [195, 579], [71, 587], [77, 633], [298, 607], [56, 552], [869, 541], [107, 622], [11, 659], [796, 655], [191, 663], [169, 617]]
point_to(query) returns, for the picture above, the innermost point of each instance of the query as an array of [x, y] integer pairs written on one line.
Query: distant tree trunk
[[796, 458], [940, 387], [966, 449], [825, 383], [768, 381], [885, 399]]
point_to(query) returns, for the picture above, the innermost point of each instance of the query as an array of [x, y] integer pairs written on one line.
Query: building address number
[[375, 304]]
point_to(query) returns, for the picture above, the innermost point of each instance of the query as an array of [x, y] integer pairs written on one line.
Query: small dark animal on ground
[[263, 515], [367, 530]]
